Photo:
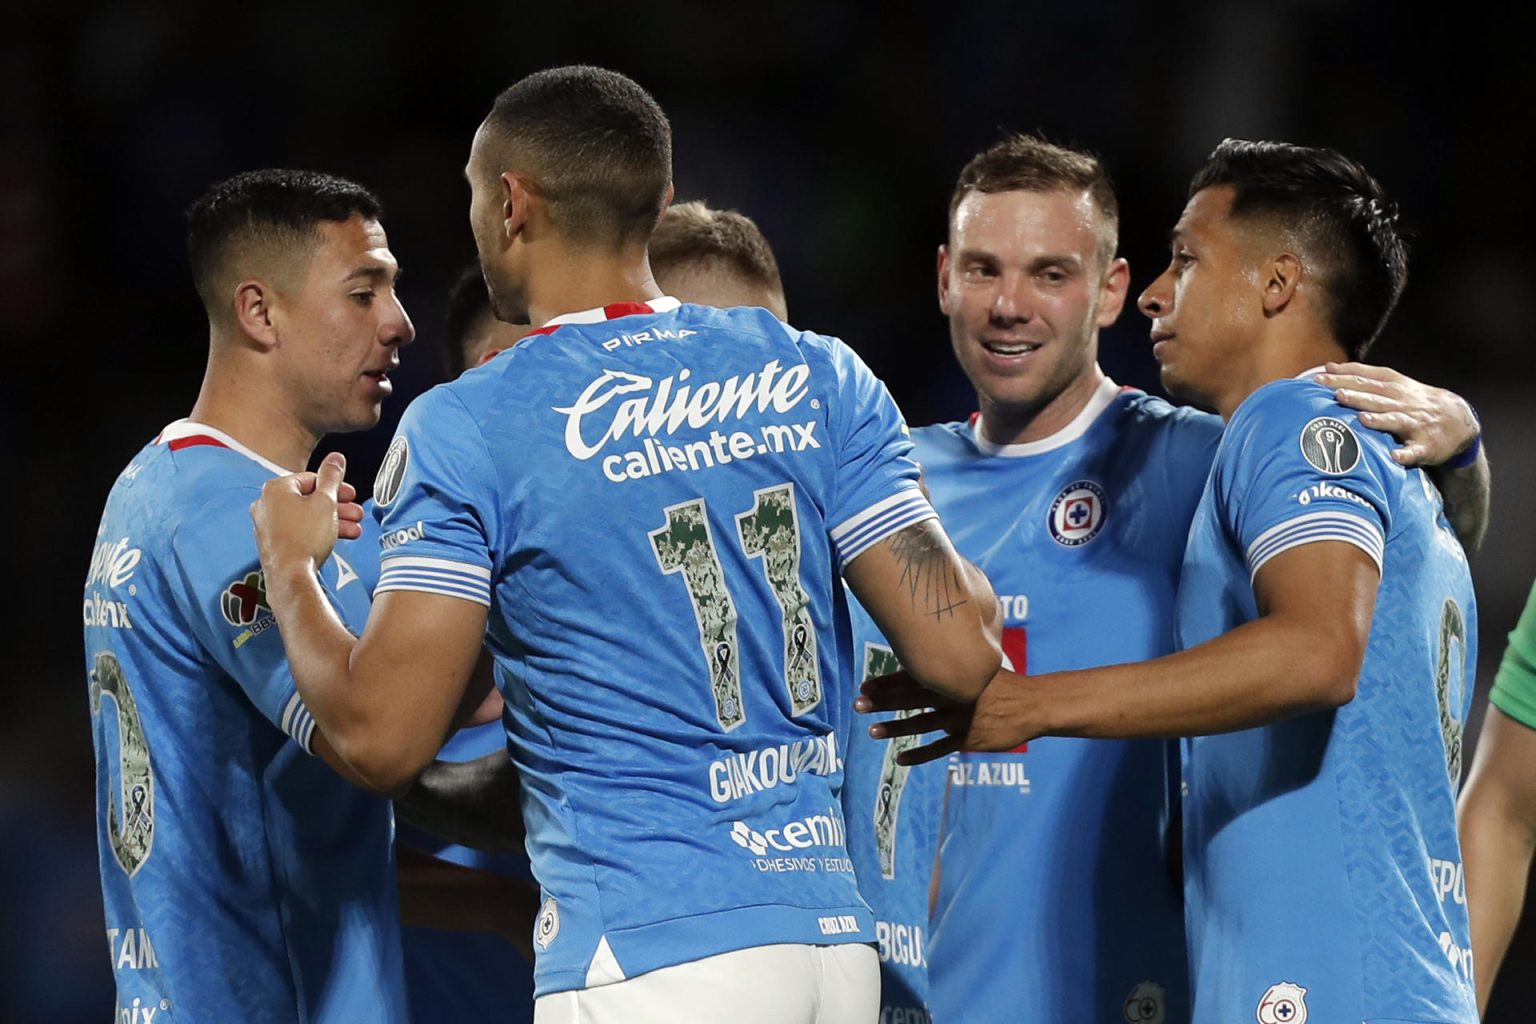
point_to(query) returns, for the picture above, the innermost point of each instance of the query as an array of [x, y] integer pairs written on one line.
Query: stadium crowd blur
[[839, 132]]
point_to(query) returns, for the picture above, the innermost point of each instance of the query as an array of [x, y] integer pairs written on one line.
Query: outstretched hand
[[999, 720], [302, 515], [1434, 425]]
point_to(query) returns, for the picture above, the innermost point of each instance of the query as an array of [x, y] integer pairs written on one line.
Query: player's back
[[243, 879], [1324, 848], [674, 491]]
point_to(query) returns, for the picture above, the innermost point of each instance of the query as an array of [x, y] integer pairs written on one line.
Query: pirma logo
[[386, 486], [244, 600], [1077, 513], [1285, 1003], [1329, 445]]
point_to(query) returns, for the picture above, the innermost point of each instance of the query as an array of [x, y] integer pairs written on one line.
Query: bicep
[[424, 646], [910, 580], [1326, 592]]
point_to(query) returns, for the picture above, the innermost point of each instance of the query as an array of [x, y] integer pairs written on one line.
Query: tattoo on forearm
[[931, 583]]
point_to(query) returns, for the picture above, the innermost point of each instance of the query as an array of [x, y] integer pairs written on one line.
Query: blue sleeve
[[1296, 467], [433, 500], [217, 580], [876, 491]]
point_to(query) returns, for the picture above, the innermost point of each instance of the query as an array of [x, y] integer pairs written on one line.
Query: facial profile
[[339, 328], [1207, 306]]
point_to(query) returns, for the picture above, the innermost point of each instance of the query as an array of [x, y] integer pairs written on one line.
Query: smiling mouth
[[1011, 348]]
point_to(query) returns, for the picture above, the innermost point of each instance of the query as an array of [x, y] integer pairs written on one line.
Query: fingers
[[1368, 372], [333, 468], [348, 531], [915, 725], [1369, 401], [896, 692], [346, 492], [1414, 453], [930, 752]]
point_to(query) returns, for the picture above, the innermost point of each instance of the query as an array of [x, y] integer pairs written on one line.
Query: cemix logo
[[640, 406], [815, 830]]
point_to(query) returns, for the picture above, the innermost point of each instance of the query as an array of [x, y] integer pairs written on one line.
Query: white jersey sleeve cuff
[[1313, 527], [298, 723], [858, 533], [435, 576]]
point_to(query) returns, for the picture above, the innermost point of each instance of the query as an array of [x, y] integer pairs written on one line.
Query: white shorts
[[783, 984]]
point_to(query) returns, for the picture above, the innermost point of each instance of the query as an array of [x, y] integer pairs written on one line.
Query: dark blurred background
[[841, 132]]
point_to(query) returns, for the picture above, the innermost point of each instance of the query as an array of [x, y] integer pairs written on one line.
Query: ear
[[253, 308], [944, 279], [666, 203], [516, 198], [1281, 277], [1112, 292]]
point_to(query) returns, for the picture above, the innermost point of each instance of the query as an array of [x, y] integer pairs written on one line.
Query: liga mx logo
[[1330, 446], [1077, 513], [1285, 1003]]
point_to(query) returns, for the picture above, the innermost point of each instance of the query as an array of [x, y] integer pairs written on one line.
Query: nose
[[1157, 300], [397, 329], [1011, 304]]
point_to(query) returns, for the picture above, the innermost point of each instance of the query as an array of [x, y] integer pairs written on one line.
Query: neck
[[569, 280], [237, 399], [1278, 358], [1014, 424]]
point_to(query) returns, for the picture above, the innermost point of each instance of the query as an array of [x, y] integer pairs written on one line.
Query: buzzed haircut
[[692, 236], [1338, 215], [275, 210], [595, 144], [1028, 163]]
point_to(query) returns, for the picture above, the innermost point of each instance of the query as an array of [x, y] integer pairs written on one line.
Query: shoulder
[[938, 440], [1153, 413]]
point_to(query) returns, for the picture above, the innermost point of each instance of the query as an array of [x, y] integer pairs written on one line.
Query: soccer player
[[715, 258], [1056, 899], [1497, 813], [454, 975], [643, 503], [1325, 616], [244, 878]]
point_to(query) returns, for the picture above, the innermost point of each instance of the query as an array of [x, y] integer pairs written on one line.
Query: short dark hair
[[1028, 163], [1339, 214], [695, 235], [597, 145], [266, 208], [468, 302]]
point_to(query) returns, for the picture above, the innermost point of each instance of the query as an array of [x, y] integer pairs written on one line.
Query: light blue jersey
[[655, 502], [1322, 863], [1056, 897], [893, 831], [244, 880]]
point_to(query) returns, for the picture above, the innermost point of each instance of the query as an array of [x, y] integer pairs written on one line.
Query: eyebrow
[[377, 272]]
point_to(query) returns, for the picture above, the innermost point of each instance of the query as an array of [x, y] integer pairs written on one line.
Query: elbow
[[957, 673], [1331, 675], [385, 768]]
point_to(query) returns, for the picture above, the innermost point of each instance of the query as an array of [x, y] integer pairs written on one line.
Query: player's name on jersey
[[900, 943], [739, 775], [131, 949], [1008, 772]]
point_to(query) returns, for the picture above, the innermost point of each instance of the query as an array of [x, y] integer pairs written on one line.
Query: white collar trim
[[1309, 374], [191, 428], [664, 304], [1102, 396]]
